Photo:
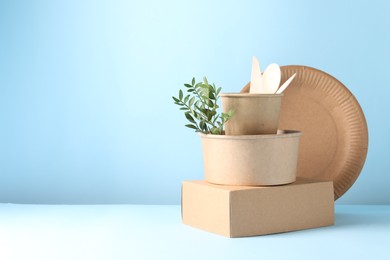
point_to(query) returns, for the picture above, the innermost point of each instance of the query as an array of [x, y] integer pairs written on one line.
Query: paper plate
[[334, 138]]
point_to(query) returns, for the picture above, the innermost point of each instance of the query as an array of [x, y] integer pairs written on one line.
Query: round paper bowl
[[253, 160]]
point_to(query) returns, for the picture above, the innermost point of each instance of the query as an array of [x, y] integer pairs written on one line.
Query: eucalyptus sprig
[[201, 108]]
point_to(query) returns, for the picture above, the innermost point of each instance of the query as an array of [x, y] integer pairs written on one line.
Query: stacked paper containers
[[250, 185]]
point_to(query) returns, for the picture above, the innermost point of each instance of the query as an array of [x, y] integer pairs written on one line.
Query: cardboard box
[[238, 211]]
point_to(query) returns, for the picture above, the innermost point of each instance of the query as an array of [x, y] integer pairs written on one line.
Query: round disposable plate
[[334, 138]]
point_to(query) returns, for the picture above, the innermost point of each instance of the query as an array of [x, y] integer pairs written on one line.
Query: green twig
[[201, 108]]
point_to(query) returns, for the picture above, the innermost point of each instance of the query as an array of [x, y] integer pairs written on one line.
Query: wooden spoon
[[271, 79], [285, 84], [255, 85]]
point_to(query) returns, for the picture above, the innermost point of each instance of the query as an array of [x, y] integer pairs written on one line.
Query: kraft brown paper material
[[251, 159], [334, 139], [238, 211], [253, 113]]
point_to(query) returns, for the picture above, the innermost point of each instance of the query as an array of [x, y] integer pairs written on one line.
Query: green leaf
[[230, 113], [189, 117], [209, 115], [186, 99], [191, 101], [226, 116], [191, 126], [203, 126], [196, 106], [205, 81], [215, 131], [200, 108], [204, 91], [196, 115]]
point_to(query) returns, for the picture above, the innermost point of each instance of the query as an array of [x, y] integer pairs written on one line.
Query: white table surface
[[156, 232]]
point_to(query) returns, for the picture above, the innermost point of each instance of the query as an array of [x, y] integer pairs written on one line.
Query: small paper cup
[[253, 113]]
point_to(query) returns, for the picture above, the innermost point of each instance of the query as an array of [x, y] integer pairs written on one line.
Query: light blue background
[[85, 88]]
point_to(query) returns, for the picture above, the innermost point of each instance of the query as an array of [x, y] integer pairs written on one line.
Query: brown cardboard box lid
[[334, 138]]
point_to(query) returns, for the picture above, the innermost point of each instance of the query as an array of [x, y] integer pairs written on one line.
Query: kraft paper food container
[[253, 113], [239, 211], [251, 159]]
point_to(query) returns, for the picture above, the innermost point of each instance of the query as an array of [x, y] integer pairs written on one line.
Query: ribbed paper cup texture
[[253, 113], [251, 159]]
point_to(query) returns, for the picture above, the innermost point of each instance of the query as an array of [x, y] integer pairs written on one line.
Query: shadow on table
[[359, 219]]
